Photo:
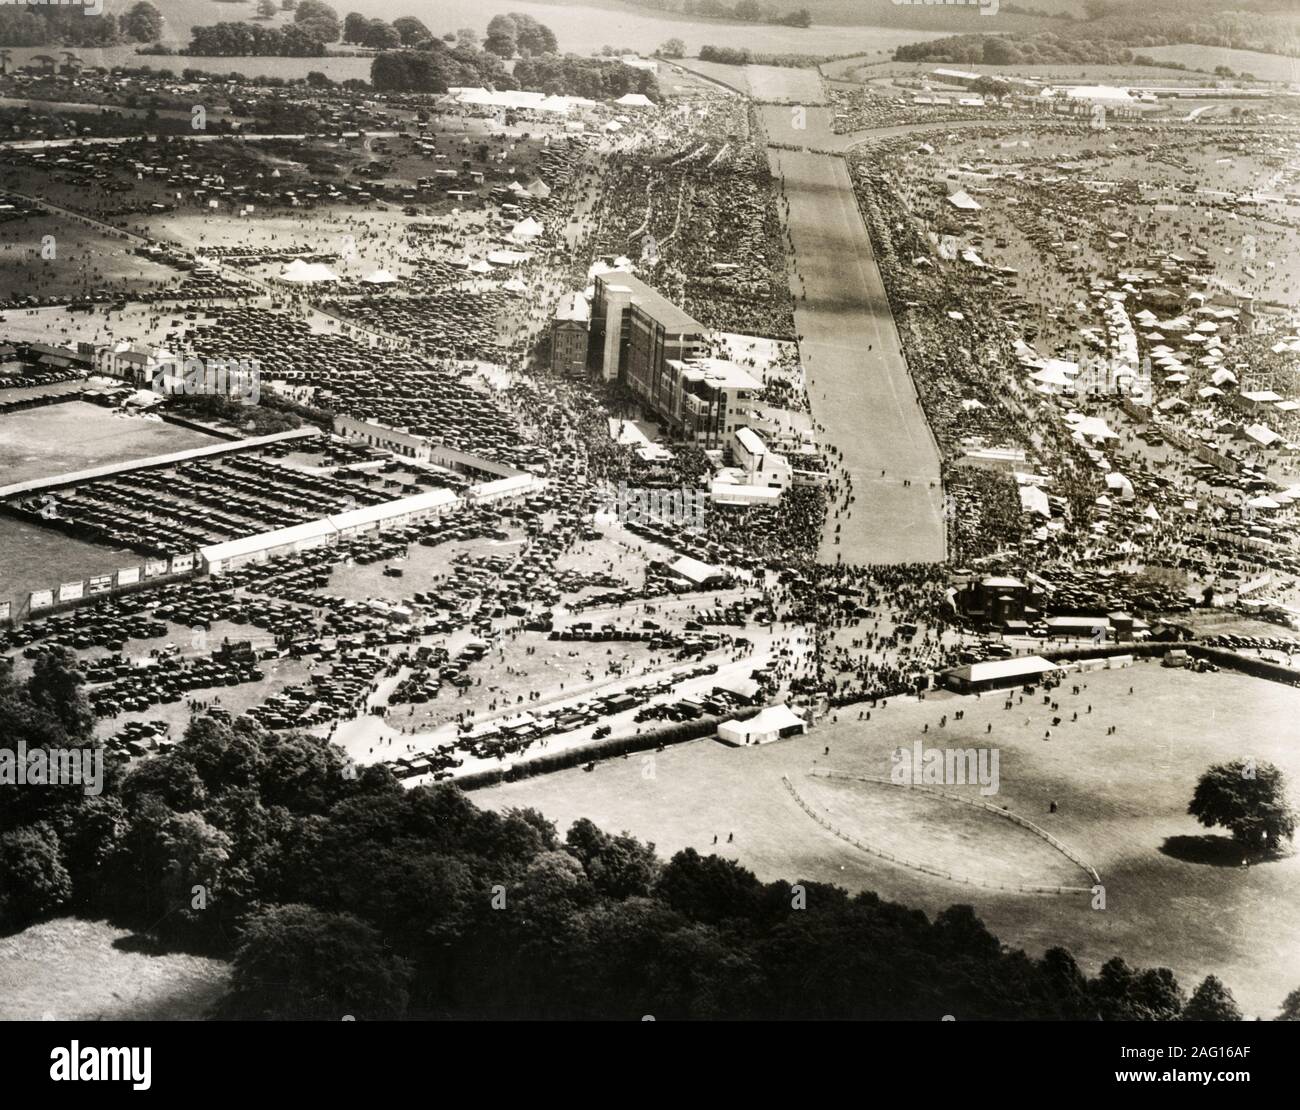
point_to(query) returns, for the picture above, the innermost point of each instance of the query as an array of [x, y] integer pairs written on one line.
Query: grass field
[[85, 259], [73, 970], [76, 435], [923, 828], [1173, 898], [33, 557], [1266, 67], [70, 436]]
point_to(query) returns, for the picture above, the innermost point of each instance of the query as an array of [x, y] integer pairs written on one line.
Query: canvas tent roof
[[768, 723], [694, 569], [964, 201], [996, 669], [307, 273]]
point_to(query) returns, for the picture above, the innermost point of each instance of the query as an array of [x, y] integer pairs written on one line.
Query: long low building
[[388, 514], [220, 558], [996, 673]]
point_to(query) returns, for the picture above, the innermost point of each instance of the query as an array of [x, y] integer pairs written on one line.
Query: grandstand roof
[[653, 303]]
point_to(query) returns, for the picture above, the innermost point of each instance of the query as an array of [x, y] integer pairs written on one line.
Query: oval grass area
[[942, 833]]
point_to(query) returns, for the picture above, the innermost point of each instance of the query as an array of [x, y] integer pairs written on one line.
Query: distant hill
[[1117, 30]]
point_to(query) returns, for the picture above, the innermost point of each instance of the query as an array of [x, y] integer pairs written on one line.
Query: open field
[[872, 68], [782, 84], [37, 558], [74, 970], [1122, 805], [1266, 67], [86, 260], [76, 435], [939, 832]]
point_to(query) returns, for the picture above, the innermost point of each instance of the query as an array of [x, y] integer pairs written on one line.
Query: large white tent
[[299, 272], [772, 723]]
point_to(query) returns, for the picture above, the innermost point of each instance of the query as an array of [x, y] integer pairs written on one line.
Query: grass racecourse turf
[[1172, 899]]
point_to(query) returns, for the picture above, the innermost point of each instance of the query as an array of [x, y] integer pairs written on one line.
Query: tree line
[[435, 65], [54, 25], [746, 11], [315, 24]]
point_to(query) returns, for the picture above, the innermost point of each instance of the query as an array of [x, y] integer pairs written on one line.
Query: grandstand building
[[639, 330], [657, 351]]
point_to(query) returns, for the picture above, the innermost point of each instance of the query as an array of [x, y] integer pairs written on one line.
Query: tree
[[1211, 1001], [297, 963], [618, 866], [1248, 799], [1122, 993], [411, 30], [318, 20], [991, 87], [314, 9], [266, 9], [33, 880], [381, 36], [502, 36], [1158, 995], [962, 933], [354, 27], [169, 777], [1065, 987], [466, 36], [673, 48], [707, 888], [1291, 1007], [288, 5], [58, 688], [531, 36], [143, 23]]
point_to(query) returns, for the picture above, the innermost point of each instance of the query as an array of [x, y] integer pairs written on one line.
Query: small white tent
[[527, 228]]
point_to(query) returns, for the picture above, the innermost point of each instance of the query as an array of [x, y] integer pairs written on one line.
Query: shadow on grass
[[1216, 851], [144, 944]]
